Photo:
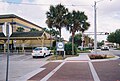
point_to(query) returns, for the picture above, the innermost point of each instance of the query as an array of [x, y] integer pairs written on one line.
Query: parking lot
[[19, 65]]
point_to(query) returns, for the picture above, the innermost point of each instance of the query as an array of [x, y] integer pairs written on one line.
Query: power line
[[39, 4]]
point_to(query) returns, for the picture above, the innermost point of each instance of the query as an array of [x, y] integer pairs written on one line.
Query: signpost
[[60, 48], [7, 30]]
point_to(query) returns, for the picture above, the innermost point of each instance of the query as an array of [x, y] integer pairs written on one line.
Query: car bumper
[[37, 54]]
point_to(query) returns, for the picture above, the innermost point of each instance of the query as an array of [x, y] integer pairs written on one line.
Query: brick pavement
[[80, 69], [48, 68], [73, 71], [108, 70]]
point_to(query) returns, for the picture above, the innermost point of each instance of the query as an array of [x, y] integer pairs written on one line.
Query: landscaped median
[[102, 56]]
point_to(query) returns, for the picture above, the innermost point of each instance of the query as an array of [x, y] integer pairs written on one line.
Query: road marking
[[52, 72], [94, 73], [29, 75]]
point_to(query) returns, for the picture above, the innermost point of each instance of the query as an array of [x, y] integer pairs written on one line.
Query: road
[[19, 65], [115, 52]]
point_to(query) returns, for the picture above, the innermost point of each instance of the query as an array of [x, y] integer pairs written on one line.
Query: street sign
[[60, 46], [10, 29], [7, 29], [4, 27]]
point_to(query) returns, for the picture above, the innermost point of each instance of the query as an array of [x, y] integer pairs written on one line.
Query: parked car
[[40, 51], [104, 48]]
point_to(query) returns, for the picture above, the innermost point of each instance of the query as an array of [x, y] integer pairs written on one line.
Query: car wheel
[[34, 56], [44, 55]]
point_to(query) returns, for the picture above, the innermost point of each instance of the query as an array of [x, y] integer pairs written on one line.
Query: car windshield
[[37, 49]]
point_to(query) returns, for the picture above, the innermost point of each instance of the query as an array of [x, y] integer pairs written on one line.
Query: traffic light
[[106, 33]]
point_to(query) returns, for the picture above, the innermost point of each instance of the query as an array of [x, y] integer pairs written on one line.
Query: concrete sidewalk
[[81, 57]]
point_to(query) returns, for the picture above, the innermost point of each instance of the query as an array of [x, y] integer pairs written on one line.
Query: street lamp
[[95, 26]]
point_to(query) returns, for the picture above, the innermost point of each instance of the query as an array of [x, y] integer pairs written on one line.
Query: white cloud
[[108, 17]]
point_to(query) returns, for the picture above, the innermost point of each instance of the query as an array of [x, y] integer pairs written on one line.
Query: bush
[[97, 56], [84, 51], [117, 49], [68, 49]]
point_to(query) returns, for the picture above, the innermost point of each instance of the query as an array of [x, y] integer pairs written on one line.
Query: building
[[25, 38]]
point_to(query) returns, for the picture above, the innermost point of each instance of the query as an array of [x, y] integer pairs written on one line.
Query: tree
[[20, 29], [111, 37], [33, 29], [49, 22], [76, 21], [84, 25], [100, 43], [77, 39], [56, 17], [117, 36], [114, 37]]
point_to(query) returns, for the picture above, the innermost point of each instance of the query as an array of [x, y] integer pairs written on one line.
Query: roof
[[23, 35], [27, 34], [15, 16]]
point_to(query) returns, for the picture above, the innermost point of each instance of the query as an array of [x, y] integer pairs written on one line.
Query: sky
[[108, 13]]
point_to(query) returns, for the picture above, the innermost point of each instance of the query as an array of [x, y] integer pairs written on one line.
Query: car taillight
[[40, 51]]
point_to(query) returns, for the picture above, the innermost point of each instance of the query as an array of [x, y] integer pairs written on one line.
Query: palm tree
[[49, 22], [75, 23], [84, 26], [56, 17]]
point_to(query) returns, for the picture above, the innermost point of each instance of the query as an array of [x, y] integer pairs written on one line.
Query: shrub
[[68, 49], [97, 56]]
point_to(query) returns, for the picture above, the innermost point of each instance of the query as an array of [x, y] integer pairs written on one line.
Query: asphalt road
[[115, 52], [19, 65]]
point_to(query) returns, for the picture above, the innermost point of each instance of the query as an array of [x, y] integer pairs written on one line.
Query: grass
[[83, 51], [117, 49]]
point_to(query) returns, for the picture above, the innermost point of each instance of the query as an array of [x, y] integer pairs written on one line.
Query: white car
[[40, 51], [104, 48]]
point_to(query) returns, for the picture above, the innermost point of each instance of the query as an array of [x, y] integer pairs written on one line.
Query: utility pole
[[95, 29], [95, 26]]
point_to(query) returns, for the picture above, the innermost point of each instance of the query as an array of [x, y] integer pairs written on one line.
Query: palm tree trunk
[[60, 34], [72, 43], [50, 39], [82, 41]]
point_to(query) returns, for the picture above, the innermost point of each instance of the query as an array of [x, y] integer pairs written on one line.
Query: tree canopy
[[114, 37], [56, 17], [77, 39]]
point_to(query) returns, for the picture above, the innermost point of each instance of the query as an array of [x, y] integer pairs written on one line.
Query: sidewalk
[[80, 67], [81, 57]]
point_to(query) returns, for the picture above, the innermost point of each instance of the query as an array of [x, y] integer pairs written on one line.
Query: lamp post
[[95, 26], [95, 29]]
